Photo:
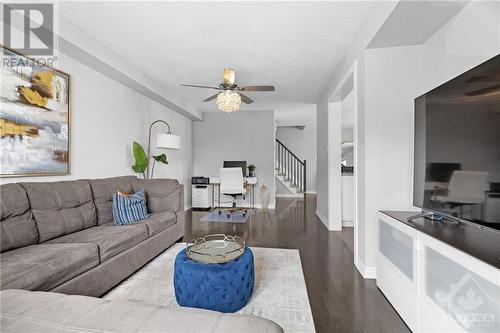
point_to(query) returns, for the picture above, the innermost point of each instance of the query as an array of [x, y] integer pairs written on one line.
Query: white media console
[[440, 276]]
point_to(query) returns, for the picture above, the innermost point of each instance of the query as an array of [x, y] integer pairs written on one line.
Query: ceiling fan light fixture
[[228, 101]]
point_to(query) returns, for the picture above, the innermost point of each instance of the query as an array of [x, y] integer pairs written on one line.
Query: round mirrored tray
[[215, 248]]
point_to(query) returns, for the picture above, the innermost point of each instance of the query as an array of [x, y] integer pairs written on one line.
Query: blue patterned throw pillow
[[128, 209]]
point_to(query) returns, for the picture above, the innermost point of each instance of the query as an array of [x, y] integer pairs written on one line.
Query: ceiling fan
[[230, 96]]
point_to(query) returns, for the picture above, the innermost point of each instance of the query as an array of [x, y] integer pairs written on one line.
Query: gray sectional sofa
[[59, 242], [60, 236]]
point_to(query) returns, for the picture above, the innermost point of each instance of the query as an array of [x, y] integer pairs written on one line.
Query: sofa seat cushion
[[25, 311], [111, 240], [160, 221], [45, 266]]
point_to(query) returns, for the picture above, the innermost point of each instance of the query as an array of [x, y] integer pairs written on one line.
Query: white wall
[[180, 162], [322, 158], [239, 136], [106, 117], [348, 156], [302, 142], [347, 134], [392, 80], [472, 37], [347, 200], [388, 81], [334, 221], [281, 189], [373, 20]]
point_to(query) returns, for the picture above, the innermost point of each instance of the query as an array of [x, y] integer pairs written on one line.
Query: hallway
[[341, 300]]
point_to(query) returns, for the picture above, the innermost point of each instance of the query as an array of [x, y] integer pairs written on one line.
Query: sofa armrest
[[181, 214]]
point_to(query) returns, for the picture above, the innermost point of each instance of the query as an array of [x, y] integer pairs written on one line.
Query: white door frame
[[334, 159], [334, 170]]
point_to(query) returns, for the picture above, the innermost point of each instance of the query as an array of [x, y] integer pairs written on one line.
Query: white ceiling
[[291, 45]]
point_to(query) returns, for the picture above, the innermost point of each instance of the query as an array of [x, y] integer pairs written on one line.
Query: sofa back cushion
[[18, 227], [103, 190], [161, 194], [61, 208]]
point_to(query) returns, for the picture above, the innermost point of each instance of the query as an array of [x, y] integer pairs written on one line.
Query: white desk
[[250, 180], [215, 181]]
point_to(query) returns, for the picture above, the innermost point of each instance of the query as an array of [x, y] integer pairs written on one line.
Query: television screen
[[457, 147]]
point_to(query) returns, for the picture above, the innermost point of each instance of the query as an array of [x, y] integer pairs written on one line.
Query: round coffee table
[[221, 286]]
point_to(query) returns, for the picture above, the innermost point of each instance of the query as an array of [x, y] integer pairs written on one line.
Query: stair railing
[[291, 167]]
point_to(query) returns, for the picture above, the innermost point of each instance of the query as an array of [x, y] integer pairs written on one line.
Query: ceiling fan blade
[[245, 99], [199, 86], [229, 76], [257, 88], [211, 98], [484, 91], [485, 78]]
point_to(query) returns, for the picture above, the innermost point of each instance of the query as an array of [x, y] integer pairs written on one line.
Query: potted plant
[[142, 162], [251, 170], [141, 159], [162, 158]]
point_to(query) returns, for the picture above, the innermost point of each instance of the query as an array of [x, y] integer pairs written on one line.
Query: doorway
[[343, 183]]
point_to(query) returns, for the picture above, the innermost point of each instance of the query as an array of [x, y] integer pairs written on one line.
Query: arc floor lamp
[[163, 140]]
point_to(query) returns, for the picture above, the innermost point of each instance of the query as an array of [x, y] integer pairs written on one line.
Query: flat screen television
[[457, 147]]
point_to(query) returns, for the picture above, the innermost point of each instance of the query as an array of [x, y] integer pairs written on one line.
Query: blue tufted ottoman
[[223, 287]]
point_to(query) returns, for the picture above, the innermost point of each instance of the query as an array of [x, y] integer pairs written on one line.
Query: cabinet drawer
[[458, 292]]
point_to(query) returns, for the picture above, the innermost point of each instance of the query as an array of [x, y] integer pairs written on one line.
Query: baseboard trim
[[325, 221], [322, 218], [368, 272], [348, 223]]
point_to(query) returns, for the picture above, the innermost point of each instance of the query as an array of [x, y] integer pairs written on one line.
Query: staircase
[[290, 170]]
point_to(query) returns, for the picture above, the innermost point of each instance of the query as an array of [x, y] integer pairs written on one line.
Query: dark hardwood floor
[[341, 300]]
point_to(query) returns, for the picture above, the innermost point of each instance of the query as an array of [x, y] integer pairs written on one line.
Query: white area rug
[[279, 294]]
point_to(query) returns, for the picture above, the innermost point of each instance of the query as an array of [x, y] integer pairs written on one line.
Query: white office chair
[[232, 184], [465, 188]]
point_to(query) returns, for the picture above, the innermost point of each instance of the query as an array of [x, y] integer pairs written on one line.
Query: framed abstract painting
[[34, 117]]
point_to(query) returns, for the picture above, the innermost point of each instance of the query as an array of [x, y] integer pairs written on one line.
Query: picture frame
[[35, 117]]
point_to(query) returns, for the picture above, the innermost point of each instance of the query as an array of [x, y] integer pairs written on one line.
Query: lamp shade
[[168, 141]]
